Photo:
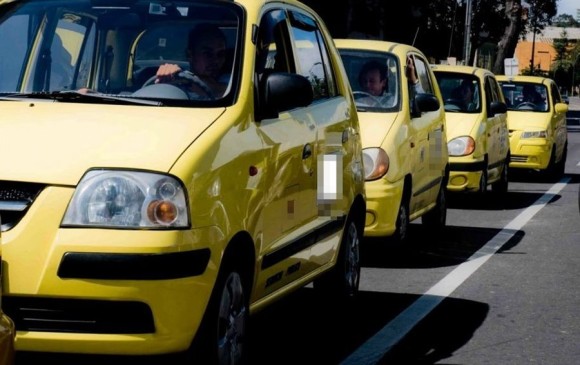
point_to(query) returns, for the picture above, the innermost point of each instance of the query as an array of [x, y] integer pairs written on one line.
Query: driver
[[373, 79], [206, 54]]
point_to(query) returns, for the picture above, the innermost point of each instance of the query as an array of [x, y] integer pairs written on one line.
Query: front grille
[[78, 315], [15, 199], [517, 158]]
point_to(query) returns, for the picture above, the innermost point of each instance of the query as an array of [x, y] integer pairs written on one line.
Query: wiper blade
[[75, 96]]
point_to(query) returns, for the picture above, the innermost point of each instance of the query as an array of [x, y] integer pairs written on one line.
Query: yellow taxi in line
[[403, 134], [7, 330], [537, 124], [171, 168], [477, 132]]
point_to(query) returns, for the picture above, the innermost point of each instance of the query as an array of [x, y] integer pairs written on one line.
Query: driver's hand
[[166, 73]]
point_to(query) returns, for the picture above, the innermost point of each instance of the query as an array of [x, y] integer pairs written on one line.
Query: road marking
[[376, 347]]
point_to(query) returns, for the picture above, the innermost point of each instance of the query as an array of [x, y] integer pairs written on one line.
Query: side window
[[495, 90], [422, 68], [273, 44], [311, 55], [556, 94]]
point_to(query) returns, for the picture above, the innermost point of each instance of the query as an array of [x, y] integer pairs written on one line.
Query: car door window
[[312, 57]]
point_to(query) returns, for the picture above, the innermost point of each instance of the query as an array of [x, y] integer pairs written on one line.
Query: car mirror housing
[[281, 91], [497, 107], [427, 102], [561, 108]]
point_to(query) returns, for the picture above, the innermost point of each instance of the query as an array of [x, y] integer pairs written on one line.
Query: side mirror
[[561, 108], [497, 107], [427, 103], [281, 91]]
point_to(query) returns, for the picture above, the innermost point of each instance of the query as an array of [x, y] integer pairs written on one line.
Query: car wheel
[[402, 224], [343, 280], [223, 333], [501, 186], [483, 182], [555, 170], [436, 218]]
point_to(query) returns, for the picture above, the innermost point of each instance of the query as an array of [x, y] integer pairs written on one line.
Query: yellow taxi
[[7, 331], [537, 124], [403, 134], [477, 132], [171, 168]]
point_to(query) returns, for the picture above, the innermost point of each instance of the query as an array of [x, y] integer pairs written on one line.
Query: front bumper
[[383, 201], [465, 176], [530, 153], [104, 291]]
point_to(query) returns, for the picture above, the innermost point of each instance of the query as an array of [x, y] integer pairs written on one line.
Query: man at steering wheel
[[206, 53]]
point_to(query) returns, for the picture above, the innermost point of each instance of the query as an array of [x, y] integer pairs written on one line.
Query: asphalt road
[[500, 287]]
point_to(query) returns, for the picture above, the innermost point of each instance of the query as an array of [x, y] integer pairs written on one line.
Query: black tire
[[501, 186], [401, 234], [343, 280], [483, 182], [436, 219], [223, 335]]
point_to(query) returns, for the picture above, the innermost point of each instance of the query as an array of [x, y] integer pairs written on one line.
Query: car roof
[[478, 71], [525, 78], [375, 45]]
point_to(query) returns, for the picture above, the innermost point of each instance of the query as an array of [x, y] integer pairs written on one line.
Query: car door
[[496, 129], [558, 122], [430, 142], [290, 136]]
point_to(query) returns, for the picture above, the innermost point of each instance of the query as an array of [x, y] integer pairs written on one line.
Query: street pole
[[467, 32]]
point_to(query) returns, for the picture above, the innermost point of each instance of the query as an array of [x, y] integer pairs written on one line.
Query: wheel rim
[[231, 321], [352, 260]]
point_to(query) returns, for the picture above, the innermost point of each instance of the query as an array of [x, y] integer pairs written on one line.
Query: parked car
[[477, 132], [403, 135], [146, 215], [7, 330], [537, 124]]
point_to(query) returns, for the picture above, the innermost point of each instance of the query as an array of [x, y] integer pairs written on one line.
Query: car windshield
[[523, 96], [374, 78], [460, 92], [113, 48]]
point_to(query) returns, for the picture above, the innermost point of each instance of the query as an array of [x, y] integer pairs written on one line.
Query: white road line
[[377, 346]]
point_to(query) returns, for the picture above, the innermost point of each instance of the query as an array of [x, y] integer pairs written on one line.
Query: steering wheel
[[187, 76], [526, 105], [363, 94], [453, 105]]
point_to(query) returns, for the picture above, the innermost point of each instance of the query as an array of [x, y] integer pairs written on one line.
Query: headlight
[[461, 146], [128, 199], [375, 162], [534, 134]]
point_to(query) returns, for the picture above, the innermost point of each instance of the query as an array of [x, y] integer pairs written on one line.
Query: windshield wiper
[[75, 96]]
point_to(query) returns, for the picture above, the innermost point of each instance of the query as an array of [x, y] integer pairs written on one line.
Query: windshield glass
[[115, 47], [523, 96], [374, 78], [460, 92]]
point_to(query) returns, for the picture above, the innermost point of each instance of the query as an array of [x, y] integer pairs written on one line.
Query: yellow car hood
[[461, 124], [527, 120], [57, 142], [375, 127]]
